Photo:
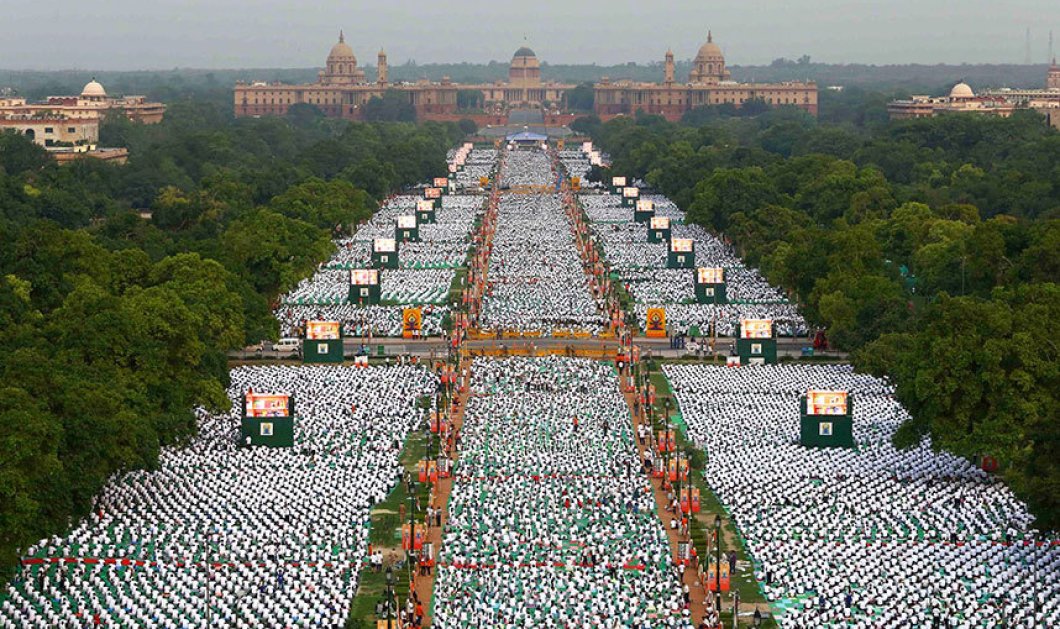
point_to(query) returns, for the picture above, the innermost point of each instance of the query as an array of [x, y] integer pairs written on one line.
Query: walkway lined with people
[[536, 284], [551, 520]]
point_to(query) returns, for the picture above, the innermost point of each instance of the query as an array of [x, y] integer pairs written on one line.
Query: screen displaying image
[[681, 245], [710, 275], [406, 222], [631, 193], [267, 405], [826, 402], [660, 222], [364, 277], [440, 182], [645, 205], [756, 328], [322, 331], [432, 193], [385, 245], [423, 205], [618, 182]]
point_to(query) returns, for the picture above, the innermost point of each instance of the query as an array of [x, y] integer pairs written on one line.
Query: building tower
[[709, 65], [1052, 80], [669, 65], [341, 66], [382, 67]]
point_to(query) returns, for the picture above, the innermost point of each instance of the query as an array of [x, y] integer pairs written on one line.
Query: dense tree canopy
[[930, 248]]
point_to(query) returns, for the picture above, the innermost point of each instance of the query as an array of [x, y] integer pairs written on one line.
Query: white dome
[[93, 89], [962, 90]]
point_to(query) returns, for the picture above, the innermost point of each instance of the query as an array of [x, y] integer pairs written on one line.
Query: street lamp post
[[391, 603], [717, 566], [411, 487]]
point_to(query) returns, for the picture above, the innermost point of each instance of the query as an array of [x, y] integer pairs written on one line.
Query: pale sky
[[164, 34]]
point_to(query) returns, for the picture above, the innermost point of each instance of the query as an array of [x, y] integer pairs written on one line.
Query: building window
[[49, 130], [71, 130]]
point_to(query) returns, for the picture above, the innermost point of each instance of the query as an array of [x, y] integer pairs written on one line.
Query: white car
[[287, 345]]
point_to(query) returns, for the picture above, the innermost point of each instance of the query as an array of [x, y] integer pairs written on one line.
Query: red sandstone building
[[342, 89], [709, 83]]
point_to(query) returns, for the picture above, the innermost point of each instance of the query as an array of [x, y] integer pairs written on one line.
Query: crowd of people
[[222, 534], [551, 521], [536, 279], [481, 162], [642, 267], [872, 536], [427, 268]]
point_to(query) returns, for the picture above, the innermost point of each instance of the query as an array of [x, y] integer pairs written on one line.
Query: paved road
[[436, 346]]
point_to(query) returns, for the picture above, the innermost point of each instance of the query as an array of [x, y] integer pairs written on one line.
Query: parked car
[[287, 345]]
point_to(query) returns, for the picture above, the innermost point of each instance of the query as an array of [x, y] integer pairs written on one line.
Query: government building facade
[[709, 83], [1001, 102], [342, 89]]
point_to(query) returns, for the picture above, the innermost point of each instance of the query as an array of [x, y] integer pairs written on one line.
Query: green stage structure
[[659, 229], [385, 253], [268, 420], [710, 286], [630, 195], [756, 342], [645, 210], [364, 287], [322, 342], [406, 229], [425, 212], [681, 254], [826, 419]]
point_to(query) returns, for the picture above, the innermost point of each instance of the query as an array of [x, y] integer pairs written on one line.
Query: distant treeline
[[216, 85]]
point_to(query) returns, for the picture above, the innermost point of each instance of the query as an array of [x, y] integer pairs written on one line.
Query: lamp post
[[757, 618], [411, 487], [717, 566], [390, 602], [677, 468]]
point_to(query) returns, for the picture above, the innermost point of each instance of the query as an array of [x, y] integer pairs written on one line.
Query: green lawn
[[386, 533]]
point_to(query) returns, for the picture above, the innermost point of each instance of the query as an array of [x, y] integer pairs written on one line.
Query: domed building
[[93, 90], [961, 91], [342, 89], [341, 66], [709, 64], [525, 70], [961, 99], [709, 84]]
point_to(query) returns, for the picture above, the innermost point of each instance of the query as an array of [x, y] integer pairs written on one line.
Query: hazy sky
[[162, 34]]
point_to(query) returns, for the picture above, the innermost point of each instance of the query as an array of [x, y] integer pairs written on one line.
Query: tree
[[393, 106], [329, 205], [582, 97], [981, 378], [728, 191], [274, 251], [467, 126], [304, 114], [19, 154]]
